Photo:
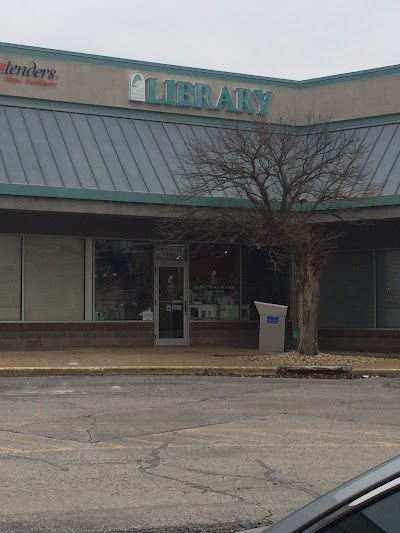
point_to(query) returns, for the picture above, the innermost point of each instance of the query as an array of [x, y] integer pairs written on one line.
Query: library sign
[[197, 95]]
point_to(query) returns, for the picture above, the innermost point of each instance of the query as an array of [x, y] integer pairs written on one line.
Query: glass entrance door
[[171, 304]]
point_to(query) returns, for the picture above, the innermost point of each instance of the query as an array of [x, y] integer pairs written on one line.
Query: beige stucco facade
[[104, 82], [359, 98], [102, 85]]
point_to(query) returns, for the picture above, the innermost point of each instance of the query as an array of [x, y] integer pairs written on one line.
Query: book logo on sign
[[137, 87]]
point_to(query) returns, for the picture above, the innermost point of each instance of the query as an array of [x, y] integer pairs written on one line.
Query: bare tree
[[285, 179]]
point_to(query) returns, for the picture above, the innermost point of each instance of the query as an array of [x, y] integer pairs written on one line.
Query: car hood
[[333, 500]]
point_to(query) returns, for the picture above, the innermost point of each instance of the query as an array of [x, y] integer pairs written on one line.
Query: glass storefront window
[[214, 282], [261, 282], [124, 278], [388, 289], [359, 289], [347, 291], [10, 278], [54, 278]]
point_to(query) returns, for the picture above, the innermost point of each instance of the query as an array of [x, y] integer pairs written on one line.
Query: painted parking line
[[330, 433], [113, 446], [4, 449], [230, 432], [239, 441], [197, 437], [117, 447]]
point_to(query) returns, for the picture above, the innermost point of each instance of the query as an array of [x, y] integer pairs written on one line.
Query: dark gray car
[[369, 503]]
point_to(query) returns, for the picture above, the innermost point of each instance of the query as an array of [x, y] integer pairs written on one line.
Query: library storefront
[[60, 291], [90, 165]]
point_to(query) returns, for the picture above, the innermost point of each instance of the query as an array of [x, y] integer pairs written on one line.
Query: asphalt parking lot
[[162, 453]]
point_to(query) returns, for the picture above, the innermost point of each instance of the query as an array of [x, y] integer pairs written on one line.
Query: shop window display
[[214, 282], [123, 280]]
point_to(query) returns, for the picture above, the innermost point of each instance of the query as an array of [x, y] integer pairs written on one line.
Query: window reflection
[[123, 280]]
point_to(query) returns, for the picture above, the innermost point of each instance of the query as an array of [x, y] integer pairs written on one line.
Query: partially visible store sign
[[171, 251], [29, 73], [197, 95]]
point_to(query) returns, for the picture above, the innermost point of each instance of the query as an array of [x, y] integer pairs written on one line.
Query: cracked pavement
[[159, 453]]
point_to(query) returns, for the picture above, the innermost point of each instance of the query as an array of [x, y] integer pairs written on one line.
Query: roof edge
[[44, 191], [390, 70]]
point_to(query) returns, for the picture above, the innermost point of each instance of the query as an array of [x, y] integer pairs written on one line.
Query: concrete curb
[[137, 371], [310, 372], [314, 372]]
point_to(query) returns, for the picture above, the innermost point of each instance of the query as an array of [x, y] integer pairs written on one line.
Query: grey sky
[[295, 39]]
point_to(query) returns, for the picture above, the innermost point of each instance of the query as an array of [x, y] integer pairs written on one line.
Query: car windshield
[[382, 516]]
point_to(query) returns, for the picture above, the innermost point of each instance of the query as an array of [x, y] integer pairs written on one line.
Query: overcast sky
[[295, 39]]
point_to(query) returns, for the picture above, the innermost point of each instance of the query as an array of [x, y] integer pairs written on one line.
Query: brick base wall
[[59, 335], [240, 334], [36, 336], [374, 340]]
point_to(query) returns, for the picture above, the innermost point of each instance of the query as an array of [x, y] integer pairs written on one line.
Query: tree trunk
[[307, 299]]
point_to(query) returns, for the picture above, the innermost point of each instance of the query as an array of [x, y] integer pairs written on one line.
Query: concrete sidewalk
[[194, 361]]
